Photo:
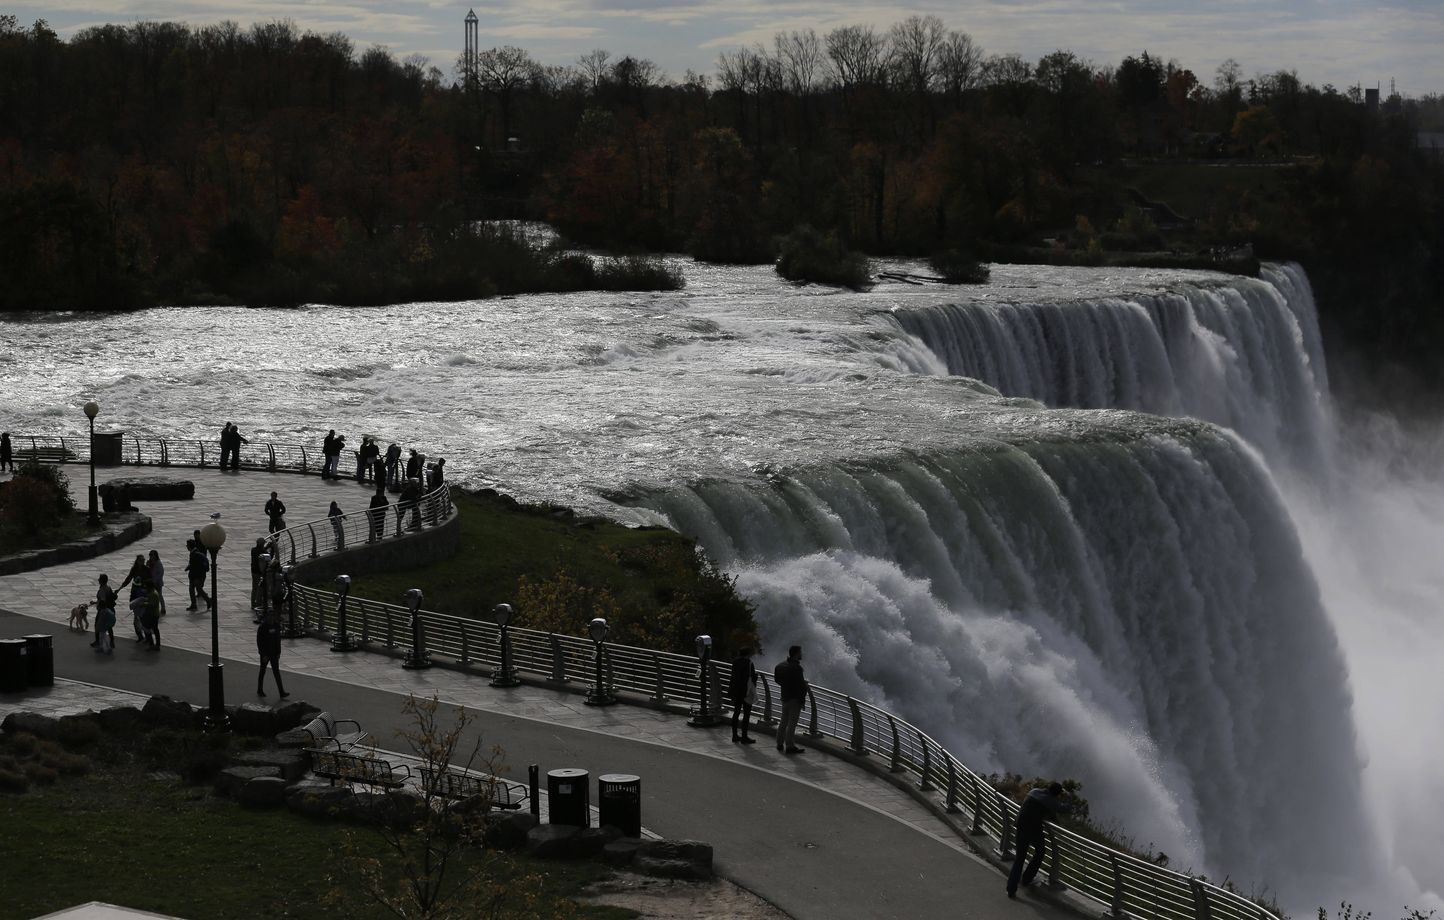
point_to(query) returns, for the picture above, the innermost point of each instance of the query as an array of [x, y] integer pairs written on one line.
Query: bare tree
[[855, 56], [502, 72], [595, 67], [914, 51], [960, 63], [800, 57]]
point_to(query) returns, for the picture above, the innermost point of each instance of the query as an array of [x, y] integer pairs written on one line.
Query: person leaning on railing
[[1040, 807]]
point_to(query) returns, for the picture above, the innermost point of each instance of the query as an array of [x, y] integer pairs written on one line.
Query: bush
[[77, 733], [959, 267], [808, 256], [637, 273], [28, 505]]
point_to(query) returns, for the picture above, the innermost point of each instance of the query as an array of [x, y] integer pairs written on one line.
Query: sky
[[1343, 42]]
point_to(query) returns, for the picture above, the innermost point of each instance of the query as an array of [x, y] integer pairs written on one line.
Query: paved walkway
[[812, 834]]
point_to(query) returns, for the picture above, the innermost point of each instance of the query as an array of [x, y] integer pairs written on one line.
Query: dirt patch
[[669, 899]]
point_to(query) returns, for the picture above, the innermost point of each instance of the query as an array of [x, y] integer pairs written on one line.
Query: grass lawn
[[144, 840], [558, 571]]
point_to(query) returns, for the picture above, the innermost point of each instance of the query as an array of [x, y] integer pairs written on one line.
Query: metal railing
[[328, 535], [197, 452], [1125, 885]]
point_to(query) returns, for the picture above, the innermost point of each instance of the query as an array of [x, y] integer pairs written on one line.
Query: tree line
[[157, 162]]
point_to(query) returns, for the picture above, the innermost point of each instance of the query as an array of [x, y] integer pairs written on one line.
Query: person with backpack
[[197, 569], [275, 514]]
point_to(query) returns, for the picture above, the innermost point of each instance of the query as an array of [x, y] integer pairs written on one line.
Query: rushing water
[[1112, 595]]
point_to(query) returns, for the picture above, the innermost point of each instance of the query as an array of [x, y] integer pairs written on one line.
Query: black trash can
[[568, 795], [12, 666], [106, 447], [39, 660], [619, 802]]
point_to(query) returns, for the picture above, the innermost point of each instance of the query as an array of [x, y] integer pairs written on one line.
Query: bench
[[353, 768], [450, 784], [324, 732], [45, 455]]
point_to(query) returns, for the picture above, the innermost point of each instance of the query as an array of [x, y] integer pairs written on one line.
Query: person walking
[[258, 573], [376, 514], [792, 687], [742, 691], [104, 616], [1040, 807], [155, 571], [275, 514], [136, 578], [150, 618], [7, 455], [338, 524], [196, 568], [268, 646]]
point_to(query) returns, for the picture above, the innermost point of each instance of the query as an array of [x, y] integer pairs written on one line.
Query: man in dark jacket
[[377, 513], [275, 514], [741, 691], [1040, 807], [792, 687]]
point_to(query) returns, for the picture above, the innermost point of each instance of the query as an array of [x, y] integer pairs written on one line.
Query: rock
[[135, 489], [509, 831], [253, 719], [32, 722], [120, 720], [263, 792], [294, 714], [670, 868], [551, 841], [691, 850], [317, 799], [293, 764], [230, 780], [621, 852], [590, 841], [164, 711], [294, 738]]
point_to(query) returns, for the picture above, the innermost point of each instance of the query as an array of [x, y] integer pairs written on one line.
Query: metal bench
[[451, 784], [353, 768], [324, 733]]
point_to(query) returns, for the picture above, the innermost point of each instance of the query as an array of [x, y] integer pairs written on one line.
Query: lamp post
[[265, 560], [342, 641], [416, 659], [289, 631], [505, 676], [92, 409], [600, 694], [213, 537], [704, 716]]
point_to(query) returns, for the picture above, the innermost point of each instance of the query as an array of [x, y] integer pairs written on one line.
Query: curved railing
[[197, 452], [329, 535], [1124, 884]]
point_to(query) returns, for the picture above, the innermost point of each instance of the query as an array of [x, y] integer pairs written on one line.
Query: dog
[[80, 617]]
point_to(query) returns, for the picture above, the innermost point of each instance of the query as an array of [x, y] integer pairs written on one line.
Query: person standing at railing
[[376, 514], [363, 458], [393, 464], [742, 691], [276, 514], [225, 446], [1040, 807], [792, 687], [7, 455], [330, 452], [413, 465], [338, 524], [410, 501], [438, 474], [236, 441]]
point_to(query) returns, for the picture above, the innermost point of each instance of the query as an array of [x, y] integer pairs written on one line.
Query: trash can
[[619, 802], [106, 447], [12, 666], [39, 660], [568, 793]]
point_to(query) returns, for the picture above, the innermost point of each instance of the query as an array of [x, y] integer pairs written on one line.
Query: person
[[413, 465], [378, 467], [225, 445], [363, 458], [104, 616], [136, 579], [328, 451], [1040, 807], [377, 511], [236, 441], [155, 571], [258, 573], [196, 567], [138, 600], [268, 645], [150, 618], [7, 456], [742, 690], [276, 514], [393, 462], [792, 687], [338, 524], [437, 474], [410, 501], [337, 446]]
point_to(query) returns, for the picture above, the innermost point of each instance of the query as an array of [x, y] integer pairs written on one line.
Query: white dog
[[80, 617]]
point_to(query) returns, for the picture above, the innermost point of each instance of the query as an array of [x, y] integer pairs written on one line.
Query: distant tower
[[472, 48]]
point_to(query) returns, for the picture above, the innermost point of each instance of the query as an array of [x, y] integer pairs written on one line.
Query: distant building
[[1371, 99]]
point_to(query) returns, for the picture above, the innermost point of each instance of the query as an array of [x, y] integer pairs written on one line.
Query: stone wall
[[121, 529]]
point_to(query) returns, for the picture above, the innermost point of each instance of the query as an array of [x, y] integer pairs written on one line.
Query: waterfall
[[1129, 607]]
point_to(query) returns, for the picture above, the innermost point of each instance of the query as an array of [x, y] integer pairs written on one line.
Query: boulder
[[686, 859], [293, 764], [120, 720], [230, 780], [164, 711], [508, 831], [551, 841], [589, 842], [317, 799], [293, 738], [294, 714], [621, 852], [253, 719], [263, 792], [671, 868], [396, 808], [138, 488], [36, 724]]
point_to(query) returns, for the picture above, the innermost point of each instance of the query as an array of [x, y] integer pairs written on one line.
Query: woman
[[136, 578], [155, 571], [268, 646], [7, 458], [150, 618], [742, 691], [338, 525]]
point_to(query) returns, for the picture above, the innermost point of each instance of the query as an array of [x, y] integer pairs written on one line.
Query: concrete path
[[812, 834]]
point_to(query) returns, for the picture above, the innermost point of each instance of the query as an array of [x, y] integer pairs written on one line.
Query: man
[[328, 445], [413, 465], [792, 687], [276, 513], [393, 462], [196, 568], [741, 691], [258, 574], [377, 512], [236, 442], [1038, 809]]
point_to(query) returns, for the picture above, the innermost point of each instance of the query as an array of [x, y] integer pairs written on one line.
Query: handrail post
[[1200, 899], [812, 731], [1054, 883], [272, 448], [305, 467], [202, 445], [1005, 839], [559, 661], [314, 552], [953, 808], [976, 829], [465, 644], [766, 701], [659, 695], [858, 746], [926, 783], [164, 453], [1115, 909], [896, 766]]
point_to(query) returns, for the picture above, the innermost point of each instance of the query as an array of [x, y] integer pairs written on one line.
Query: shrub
[[77, 733], [959, 267], [810, 257], [53, 477], [637, 273], [29, 505]]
